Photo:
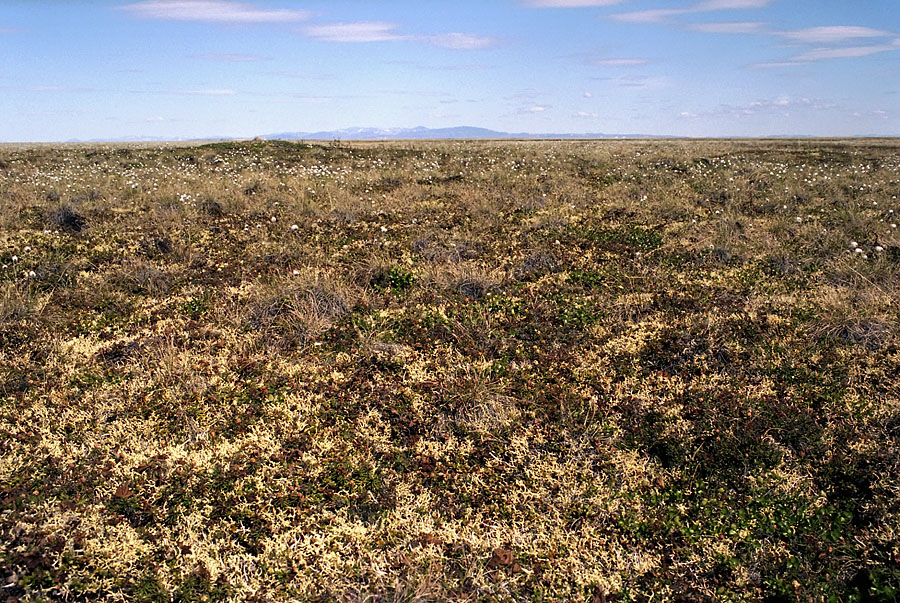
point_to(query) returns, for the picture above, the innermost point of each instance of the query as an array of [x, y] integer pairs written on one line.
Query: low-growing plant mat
[[448, 371]]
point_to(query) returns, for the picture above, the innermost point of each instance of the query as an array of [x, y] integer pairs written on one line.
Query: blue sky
[[194, 68]]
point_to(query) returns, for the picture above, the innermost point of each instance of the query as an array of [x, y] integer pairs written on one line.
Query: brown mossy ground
[[519, 371]]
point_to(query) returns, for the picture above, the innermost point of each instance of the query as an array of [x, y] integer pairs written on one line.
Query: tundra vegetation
[[494, 371]]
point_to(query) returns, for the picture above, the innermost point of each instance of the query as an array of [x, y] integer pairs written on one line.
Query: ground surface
[[450, 371]]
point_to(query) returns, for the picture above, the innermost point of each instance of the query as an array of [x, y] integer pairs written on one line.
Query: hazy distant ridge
[[418, 133], [460, 132]]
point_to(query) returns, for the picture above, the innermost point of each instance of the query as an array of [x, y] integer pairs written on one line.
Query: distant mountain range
[[419, 133], [422, 133]]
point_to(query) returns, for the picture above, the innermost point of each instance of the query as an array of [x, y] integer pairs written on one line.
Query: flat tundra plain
[[450, 371]]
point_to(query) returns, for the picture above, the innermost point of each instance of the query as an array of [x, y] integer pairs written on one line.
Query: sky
[[176, 69]]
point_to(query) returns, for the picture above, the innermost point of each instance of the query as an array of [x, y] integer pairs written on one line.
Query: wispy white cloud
[[571, 3], [658, 15], [534, 109], [710, 5], [643, 81], [776, 64], [826, 37], [780, 106], [833, 34], [730, 27], [185, 92], [359, 31], [461, 41], [830, 35], [619, 62], [826, 53], [230, 58], [382, 31], [845, 52], [585, 115], [655, 15], [646, 82], [214, 11]]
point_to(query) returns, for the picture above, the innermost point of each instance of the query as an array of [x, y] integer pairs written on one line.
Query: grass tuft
[[68, 219]]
